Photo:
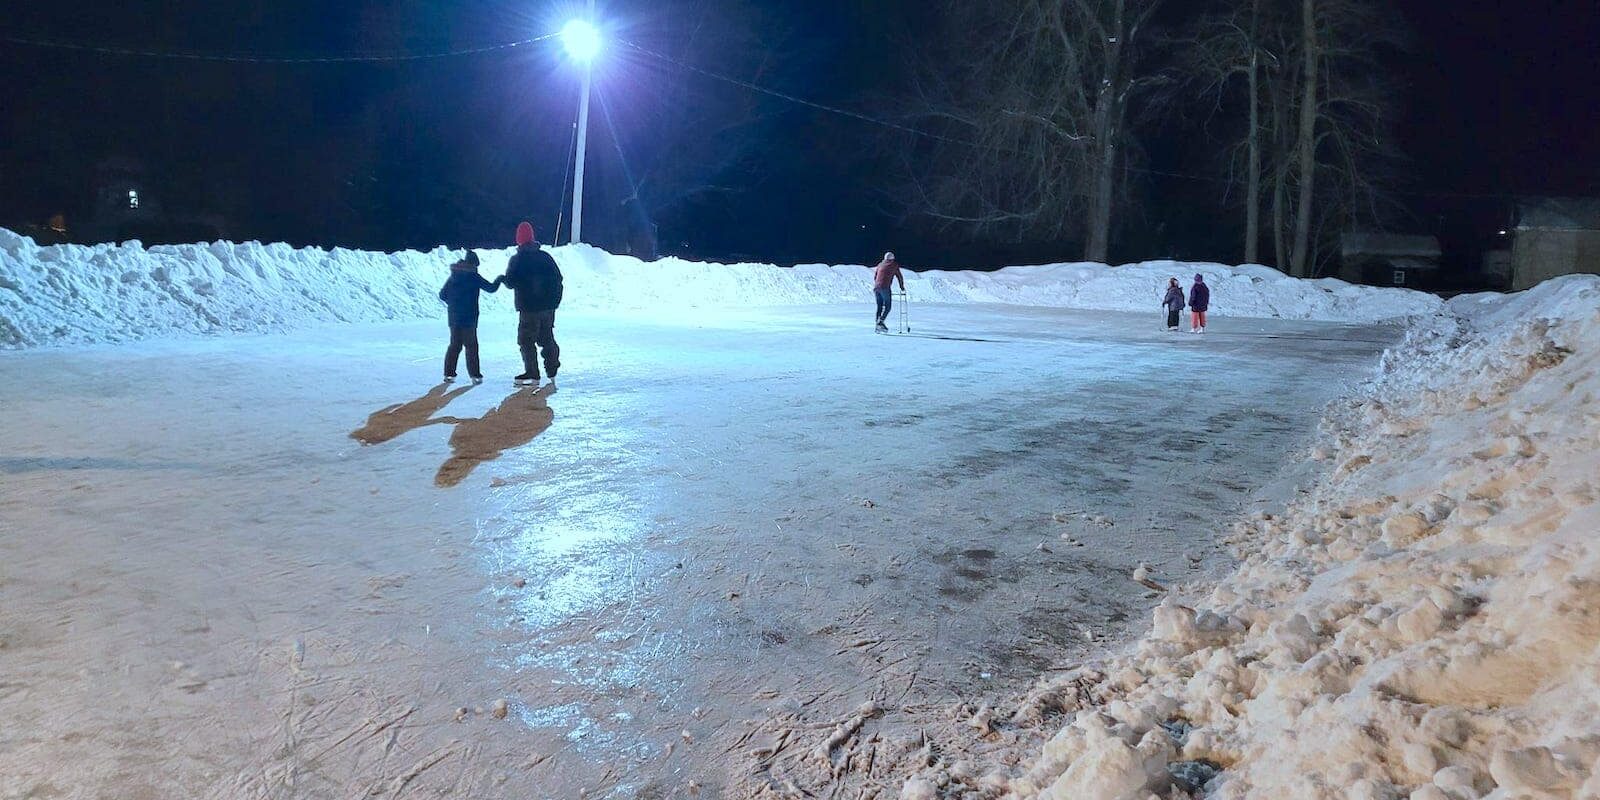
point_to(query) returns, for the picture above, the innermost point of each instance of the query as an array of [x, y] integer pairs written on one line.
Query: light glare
[[581, 40]]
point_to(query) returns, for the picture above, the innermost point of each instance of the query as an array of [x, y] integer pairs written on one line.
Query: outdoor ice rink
[[208, 588]]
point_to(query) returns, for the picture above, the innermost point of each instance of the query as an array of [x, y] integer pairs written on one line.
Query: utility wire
[[800, 100], [616, 140], [1212, 179], [874, 120], [561, 213], [251, 58]]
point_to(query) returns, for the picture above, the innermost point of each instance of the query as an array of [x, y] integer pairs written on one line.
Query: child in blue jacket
[[460, 296]]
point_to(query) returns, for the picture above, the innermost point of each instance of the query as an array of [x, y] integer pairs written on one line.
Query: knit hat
[[888, 256], [471, 259], [524, 233]]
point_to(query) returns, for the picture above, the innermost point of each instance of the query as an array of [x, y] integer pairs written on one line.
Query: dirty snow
[[70, 294], [1423, 623]]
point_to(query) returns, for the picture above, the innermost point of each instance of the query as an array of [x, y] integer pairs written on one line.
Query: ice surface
[[71, 294], [742, 527], [210, 589]]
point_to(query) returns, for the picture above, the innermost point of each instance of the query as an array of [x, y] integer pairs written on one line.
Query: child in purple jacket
[[1199, 301]]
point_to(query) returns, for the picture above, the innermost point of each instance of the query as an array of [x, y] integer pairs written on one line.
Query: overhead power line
[[868, 118], [256, 58], [754, 87], [1211, 179], [373, 58]]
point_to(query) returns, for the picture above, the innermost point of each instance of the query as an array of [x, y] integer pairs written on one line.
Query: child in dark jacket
[[1173, 303], [460, 296], [1199, 303]]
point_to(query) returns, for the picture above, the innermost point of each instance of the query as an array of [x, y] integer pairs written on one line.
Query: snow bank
[[106, 293], [1424, 624]]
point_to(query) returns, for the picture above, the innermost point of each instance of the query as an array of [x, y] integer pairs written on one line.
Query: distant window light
[[1503, 233], [133, 198], [1399, 277]]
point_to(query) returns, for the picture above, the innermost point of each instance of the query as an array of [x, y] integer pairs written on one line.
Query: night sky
[[1500, 98]]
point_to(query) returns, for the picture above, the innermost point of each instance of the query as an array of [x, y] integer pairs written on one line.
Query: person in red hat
[[535, 281]]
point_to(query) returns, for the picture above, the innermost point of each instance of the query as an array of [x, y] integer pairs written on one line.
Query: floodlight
[[581, 39]]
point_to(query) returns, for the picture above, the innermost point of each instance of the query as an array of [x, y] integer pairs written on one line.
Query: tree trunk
[[1252, 214], [1097, 248], [1280, 182], [1300, 261], [1107, 127]]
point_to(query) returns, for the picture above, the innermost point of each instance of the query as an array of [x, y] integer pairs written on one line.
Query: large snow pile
[[1424, 623], [73, 294]]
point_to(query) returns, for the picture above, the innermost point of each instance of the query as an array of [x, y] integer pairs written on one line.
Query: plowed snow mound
[[72, 294], [1424, 623]]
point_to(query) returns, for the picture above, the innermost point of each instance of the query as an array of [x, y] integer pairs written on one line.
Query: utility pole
[[583, 141]]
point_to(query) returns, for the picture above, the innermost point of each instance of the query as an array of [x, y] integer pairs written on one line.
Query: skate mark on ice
[[951, 338], [519, 418], [20, 466], [392, 421]]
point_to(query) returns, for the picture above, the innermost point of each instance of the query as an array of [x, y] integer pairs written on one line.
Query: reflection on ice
[[523, 415], [392, 421], [572, 517]]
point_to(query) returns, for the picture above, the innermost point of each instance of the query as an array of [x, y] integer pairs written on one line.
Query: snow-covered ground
[[713, 543], [115, 293]]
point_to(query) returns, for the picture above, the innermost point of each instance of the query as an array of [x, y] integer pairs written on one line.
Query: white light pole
[[582, 41]]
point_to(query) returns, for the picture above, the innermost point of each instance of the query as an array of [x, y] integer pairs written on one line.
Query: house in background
[[1389, 259], [123, 201], [1554, 236], [1496, 269], [127, 201]]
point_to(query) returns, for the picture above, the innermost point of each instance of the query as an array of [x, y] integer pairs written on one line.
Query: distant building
[[1389, 259], [128, 202], [123, 200], [1496, 268], [1554, 236]]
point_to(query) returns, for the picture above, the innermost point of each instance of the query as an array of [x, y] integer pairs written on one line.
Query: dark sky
[[1500, 98], [1503, 99]]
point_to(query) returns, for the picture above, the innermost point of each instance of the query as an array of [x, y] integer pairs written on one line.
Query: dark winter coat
[[1174, 301], [460, 295], [1199, 297], [535, 278]]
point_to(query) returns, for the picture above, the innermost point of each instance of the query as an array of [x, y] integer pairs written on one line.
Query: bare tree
[[1346, 148], [1218, 52], [1030, 99], [1317, 107]]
